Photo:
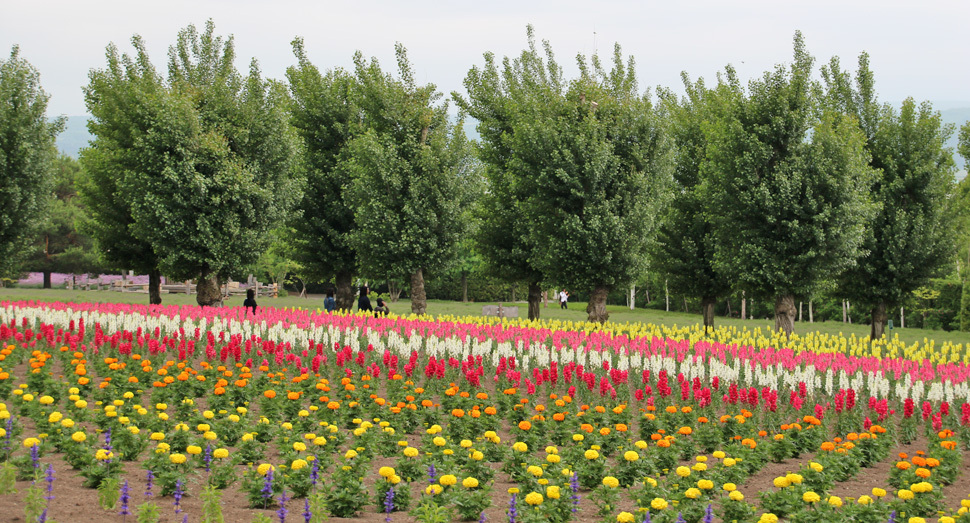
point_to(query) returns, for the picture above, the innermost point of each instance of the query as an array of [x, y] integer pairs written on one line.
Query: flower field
[[131, 413]]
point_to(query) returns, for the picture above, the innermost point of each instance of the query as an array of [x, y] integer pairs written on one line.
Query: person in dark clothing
[[250, 300], [382, 308], [329, 302], [363, 303]]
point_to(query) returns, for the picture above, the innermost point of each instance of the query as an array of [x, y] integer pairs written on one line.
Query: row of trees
[[782, 187]]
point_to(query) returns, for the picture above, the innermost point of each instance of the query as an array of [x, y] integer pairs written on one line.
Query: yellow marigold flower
[[247, 437], [350, 454], [817, 467], [478, 456], [55, 417], [905, 494], [916, 520], [448, 480], [736, 496], [46, 400], [683, 471], [298, 464], [781, 482], [203, 427], [730, 462], [768, 517], [411, 452], [864, 500], [519, 446], [177, 458], [193, 450], [264, 468], [705, 484], [578, 437], [299, 446], [624, 517], [432, 490], [878, 492], [658, 504], [469, 482], [386, 472], [535, 471], [209, 436], [730, 487], [591, 454], [611, 482], [533, 498], [640, 444], [553, 492], [220, 454], [630, 456], [810, 497], [947, 519], [31, 442], [794, 479], [719, 454], [465, 443], [79, 437], [553, 458]]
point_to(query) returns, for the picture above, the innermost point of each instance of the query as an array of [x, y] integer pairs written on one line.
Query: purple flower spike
[[178, 497], [282, 511], [307, 514], [124, 499], [513, 511], [708, 514]]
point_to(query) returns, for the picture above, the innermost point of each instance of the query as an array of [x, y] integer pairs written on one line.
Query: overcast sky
[[917, 48]]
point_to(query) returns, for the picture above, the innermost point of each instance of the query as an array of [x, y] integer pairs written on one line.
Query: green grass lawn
[[575, 312]]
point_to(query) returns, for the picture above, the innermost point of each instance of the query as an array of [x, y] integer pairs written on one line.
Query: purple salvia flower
[[482, 518], [43, 516], [574, 487], [35, 457], [646, 518], [432, 474], [314, 473], [185, 518], [50, 483], [178, 496], [680, 518], [307, 514], [124, 499], [389, 504], [513, 512], [267, 487], [107, 440], [149, 483], [892, 517], [282, 511], [6, 440], [708, 514], [207, 457]]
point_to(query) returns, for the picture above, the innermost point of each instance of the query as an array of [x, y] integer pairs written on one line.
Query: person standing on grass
[[250, 302], [329, 303], [363, 303], [563, 298]]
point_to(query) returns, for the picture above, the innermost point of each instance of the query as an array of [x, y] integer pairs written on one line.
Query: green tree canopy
[[209, 171], [910, 237], [685, 246], [406, 172], [326, 116], [586, 163], [27, 156], [787, 183]]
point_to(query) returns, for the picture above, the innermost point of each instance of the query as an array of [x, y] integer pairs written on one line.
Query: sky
[[916, 49]]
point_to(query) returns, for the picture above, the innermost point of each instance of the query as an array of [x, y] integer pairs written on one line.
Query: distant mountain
[[75, 136]]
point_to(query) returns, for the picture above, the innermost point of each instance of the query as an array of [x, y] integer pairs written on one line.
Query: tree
[[787, 186], [684, 249], [586, 161], [27, 156], [406, 172], [326, 116], [910, 237], [61, 246], [203, 160]]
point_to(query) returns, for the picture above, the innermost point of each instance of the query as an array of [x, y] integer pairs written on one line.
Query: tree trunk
[[545, 299], [535, 294], [633, 297], [707, 310], [155, 287], [902, 318], [394, 290], [729, 313], [845, 314], [879, 319], [513, 294], [47, 279], [785, 313], [800, 312], [666, 296], [344, 300], [464, 286], [207, 292], [811, 316], [744, 303], [848, 310], [685, 304], [419, 299], [596, 309]]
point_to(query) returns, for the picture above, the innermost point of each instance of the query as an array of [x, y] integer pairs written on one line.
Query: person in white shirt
[[563, 297]]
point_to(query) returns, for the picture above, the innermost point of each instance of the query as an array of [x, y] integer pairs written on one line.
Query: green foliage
[[202, 162], [575, 168], [786, 183], [27, 156], [147, 513], [911, 236], [8, 478], [325, 113], [406, 170], [965, 307], [212, 505], [34, 502], [108, 493], [684, 250]]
